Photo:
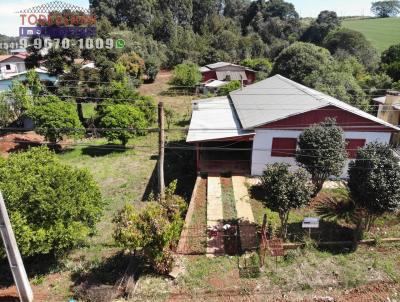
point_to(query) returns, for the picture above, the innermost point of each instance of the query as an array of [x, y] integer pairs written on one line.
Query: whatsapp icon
[[120, 43]]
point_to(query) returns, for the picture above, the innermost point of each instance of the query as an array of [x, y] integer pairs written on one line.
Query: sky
[[10, 21]]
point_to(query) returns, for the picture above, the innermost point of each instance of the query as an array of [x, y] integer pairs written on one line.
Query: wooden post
[[161, 145], [197, 157], [14, 256]]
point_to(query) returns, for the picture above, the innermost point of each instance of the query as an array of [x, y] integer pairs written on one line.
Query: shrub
[[186, 74], [153, 230], [285, 190], [124, 121], [373, 181], [55, 118], [322, 151], [226, 89], [53, 207]]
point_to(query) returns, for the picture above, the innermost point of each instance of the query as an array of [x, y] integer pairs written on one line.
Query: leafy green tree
[[123, 122], [135, 13], [258, 64], [6, 110], [322, 152], [355, 44], [396, 86], [319, 29], [285, 190], [385, 9], [55, 118], [227, 88], [186, 74], [377, 83], [152, 231], [393, 70], [340, 85], [279, 8], [134, 65], [373, 181], [53, 207], [301, 59], [57, 60], [392, 54], [152, 68]]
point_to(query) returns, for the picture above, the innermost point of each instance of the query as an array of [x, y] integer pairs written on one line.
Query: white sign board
[[310, 223]]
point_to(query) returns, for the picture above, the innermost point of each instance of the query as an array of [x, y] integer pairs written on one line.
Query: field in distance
[[382, 32]]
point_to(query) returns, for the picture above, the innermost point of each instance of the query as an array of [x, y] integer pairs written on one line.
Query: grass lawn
[[382, 32]]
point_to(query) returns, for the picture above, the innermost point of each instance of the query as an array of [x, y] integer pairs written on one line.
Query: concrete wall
[[262, 146]]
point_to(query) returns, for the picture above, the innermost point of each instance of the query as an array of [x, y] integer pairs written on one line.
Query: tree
[[341, 85], [227, 88], [285, 190], [153, 230], [124, 122], [134, 65], [301, 59], [53, 207], [186, 75], [393, 70], [374, 181], [319, 29], [385, 9], [6, 110], [355, 44], [55, 118], [322, 152], [152, 68], [392, 54]]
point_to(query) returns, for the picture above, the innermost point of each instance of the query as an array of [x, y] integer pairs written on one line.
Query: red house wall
[[251, 77], [347, 120], [209, 75]]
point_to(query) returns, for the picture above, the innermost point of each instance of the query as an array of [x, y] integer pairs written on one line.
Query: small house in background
[[11, 65], [389, 110], [260, 124], [44, 76], [226, 72]]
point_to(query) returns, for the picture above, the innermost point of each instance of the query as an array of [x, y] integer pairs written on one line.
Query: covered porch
[[224, 156]]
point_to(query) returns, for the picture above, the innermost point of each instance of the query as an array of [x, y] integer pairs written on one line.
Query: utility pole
[[161, 150], [14, 256]]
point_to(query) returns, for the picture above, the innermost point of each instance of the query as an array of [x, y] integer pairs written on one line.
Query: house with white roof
[[260, 124]]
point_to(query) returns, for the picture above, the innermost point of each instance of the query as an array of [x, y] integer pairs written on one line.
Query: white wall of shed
[[262, 146]]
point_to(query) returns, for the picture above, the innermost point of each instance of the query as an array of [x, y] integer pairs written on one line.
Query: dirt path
[[215, 214]]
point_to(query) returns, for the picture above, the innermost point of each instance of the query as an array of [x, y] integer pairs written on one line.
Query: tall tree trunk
[[79, 108]]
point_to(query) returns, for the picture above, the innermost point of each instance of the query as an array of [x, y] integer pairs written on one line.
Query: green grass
[[121, 175], [382, 32]]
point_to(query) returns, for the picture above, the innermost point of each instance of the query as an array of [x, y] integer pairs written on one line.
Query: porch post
[[197, 157]]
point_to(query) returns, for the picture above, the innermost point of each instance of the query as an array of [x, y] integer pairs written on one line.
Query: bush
[[285, 190], [133, 64], [226, 89], [322, 151], [153, 230], [53, 207], [55, 118], [186, 74], [373, 181], [124, 121]]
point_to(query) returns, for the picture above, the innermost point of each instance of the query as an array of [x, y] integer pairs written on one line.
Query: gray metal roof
[[278, 98], [212, 119]]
